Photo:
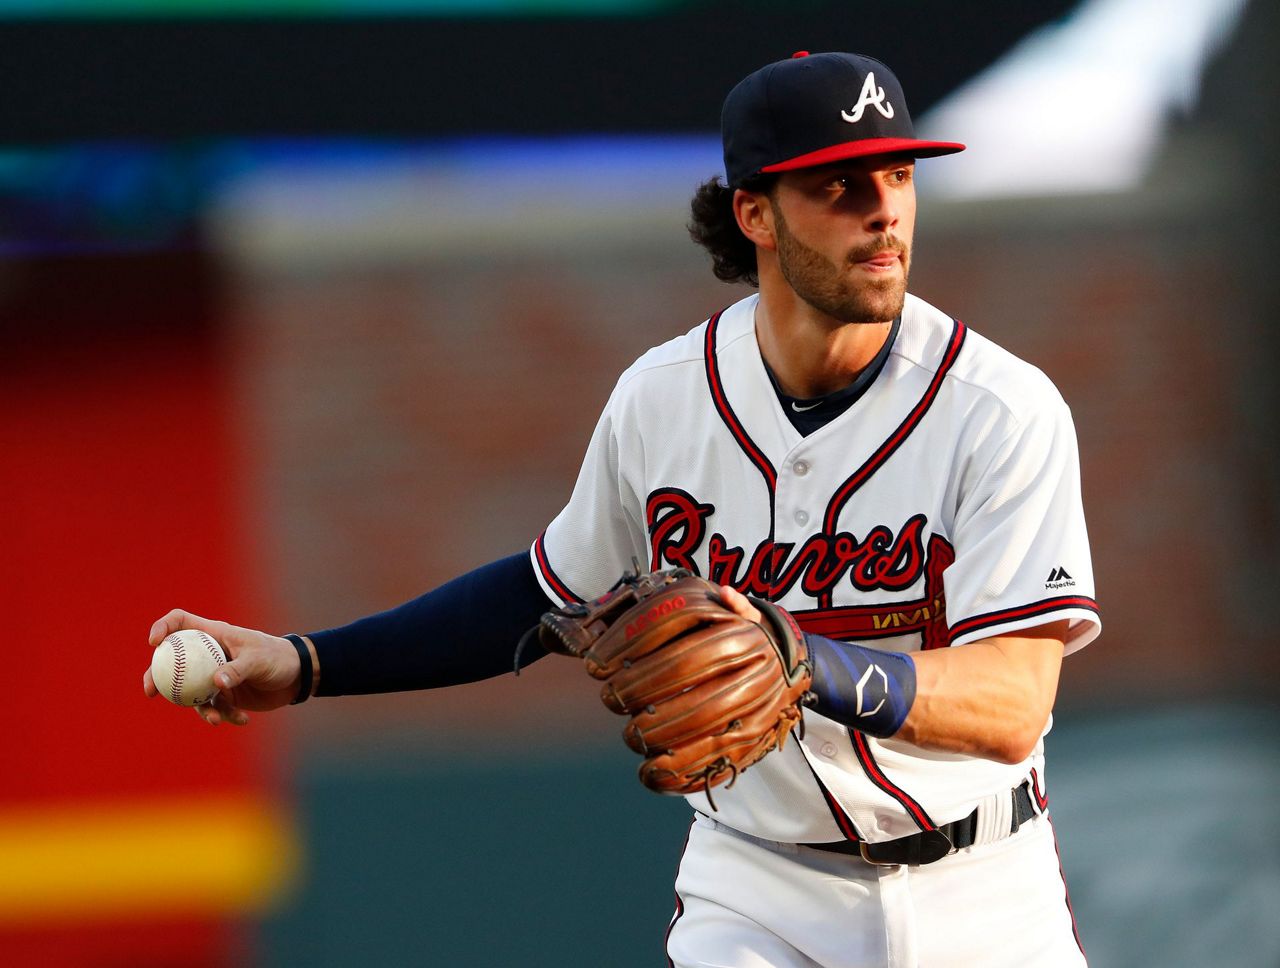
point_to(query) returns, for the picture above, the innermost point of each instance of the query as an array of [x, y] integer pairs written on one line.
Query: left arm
[[989, 698]]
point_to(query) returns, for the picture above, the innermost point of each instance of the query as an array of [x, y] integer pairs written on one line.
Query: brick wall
[[420, 414]]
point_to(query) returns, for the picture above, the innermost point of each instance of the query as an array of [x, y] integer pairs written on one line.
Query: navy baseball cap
[[812, 109]]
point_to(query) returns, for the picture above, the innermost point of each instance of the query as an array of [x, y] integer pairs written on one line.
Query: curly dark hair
[[713, 226]]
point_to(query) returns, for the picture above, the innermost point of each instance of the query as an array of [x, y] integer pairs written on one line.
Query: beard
[[831, 289]]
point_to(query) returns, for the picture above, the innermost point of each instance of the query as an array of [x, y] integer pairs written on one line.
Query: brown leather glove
[[708, 692]]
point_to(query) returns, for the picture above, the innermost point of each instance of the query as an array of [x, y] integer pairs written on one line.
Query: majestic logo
[[1058, 578], [882, 560], [871, 96]]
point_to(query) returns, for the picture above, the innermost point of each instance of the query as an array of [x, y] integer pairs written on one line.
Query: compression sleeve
[[463, 631], [869, 689]]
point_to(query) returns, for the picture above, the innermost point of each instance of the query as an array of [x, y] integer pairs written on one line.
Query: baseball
[[183, 666]]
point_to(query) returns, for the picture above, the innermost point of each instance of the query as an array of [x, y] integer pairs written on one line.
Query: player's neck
[[810, 353]]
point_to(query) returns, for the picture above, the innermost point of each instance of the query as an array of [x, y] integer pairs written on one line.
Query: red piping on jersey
[[552, 579], [876, 776], [895, 440], [666, 938], [754, 453], [1066, 893], [1042, 799], [1043, 607], [837, 813]]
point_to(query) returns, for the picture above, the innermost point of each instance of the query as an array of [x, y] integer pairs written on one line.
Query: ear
[[754, 212]]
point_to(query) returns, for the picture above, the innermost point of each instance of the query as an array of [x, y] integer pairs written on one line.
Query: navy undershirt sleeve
[[463, 631]]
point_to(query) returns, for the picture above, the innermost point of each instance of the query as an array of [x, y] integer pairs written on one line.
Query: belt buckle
[[862, 849], [925, 847]]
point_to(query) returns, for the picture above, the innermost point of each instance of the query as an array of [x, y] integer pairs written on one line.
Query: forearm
[[463, 631], [989, 699]]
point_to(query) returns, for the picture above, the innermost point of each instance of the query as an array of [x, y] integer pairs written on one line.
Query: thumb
[[247, 667], [738, 603]]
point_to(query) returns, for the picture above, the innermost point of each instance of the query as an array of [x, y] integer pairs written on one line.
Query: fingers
[[149, 685], [166, 626], [209, 714], [221, 711], [178, 619], [739, 604]]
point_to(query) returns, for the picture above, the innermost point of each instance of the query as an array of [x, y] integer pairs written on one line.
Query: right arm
[[463, 631]]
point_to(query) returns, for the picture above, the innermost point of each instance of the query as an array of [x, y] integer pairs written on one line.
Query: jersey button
[[801, 467], [828, 749], [802, 517]]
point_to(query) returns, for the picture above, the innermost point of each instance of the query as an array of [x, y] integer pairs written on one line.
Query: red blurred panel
[[186, 943], [116, 479], [120, 489]]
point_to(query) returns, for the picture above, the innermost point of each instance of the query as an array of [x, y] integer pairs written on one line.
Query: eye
[[900, 176]]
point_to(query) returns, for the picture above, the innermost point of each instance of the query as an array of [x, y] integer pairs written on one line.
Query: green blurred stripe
[[271, 8], [515, 860]]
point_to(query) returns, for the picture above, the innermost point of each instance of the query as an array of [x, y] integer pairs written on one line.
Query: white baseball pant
[[749, 903]]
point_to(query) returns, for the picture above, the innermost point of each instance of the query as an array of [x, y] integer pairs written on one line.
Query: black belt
[[930, 845]]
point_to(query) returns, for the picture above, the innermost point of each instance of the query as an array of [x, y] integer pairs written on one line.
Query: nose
[[882, 203]]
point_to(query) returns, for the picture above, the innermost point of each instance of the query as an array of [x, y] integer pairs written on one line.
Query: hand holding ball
[[183, 666]]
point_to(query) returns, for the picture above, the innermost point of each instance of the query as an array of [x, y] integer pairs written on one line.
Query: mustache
[[886, 243]]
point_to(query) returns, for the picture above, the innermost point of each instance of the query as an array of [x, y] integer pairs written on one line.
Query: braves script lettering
[[881, 560]]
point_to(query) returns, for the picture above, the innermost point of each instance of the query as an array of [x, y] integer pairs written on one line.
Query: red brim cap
[[864, 148], [813, 109]]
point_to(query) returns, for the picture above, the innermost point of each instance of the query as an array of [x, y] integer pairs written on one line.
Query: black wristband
[[304, 657]]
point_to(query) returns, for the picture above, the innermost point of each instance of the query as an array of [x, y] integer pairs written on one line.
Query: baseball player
[[908, 491]]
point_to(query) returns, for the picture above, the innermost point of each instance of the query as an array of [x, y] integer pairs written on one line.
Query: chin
[[882, 307]]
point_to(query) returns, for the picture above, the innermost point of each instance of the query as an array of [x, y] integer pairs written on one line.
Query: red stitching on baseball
[[215, 650], [179, 666]]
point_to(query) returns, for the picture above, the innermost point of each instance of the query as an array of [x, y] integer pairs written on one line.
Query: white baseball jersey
[[941, 508]]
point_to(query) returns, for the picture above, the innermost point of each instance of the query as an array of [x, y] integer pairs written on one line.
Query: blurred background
[[309, 305]]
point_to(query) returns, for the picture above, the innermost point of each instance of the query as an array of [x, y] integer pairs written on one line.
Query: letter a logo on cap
[[871, 95]]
